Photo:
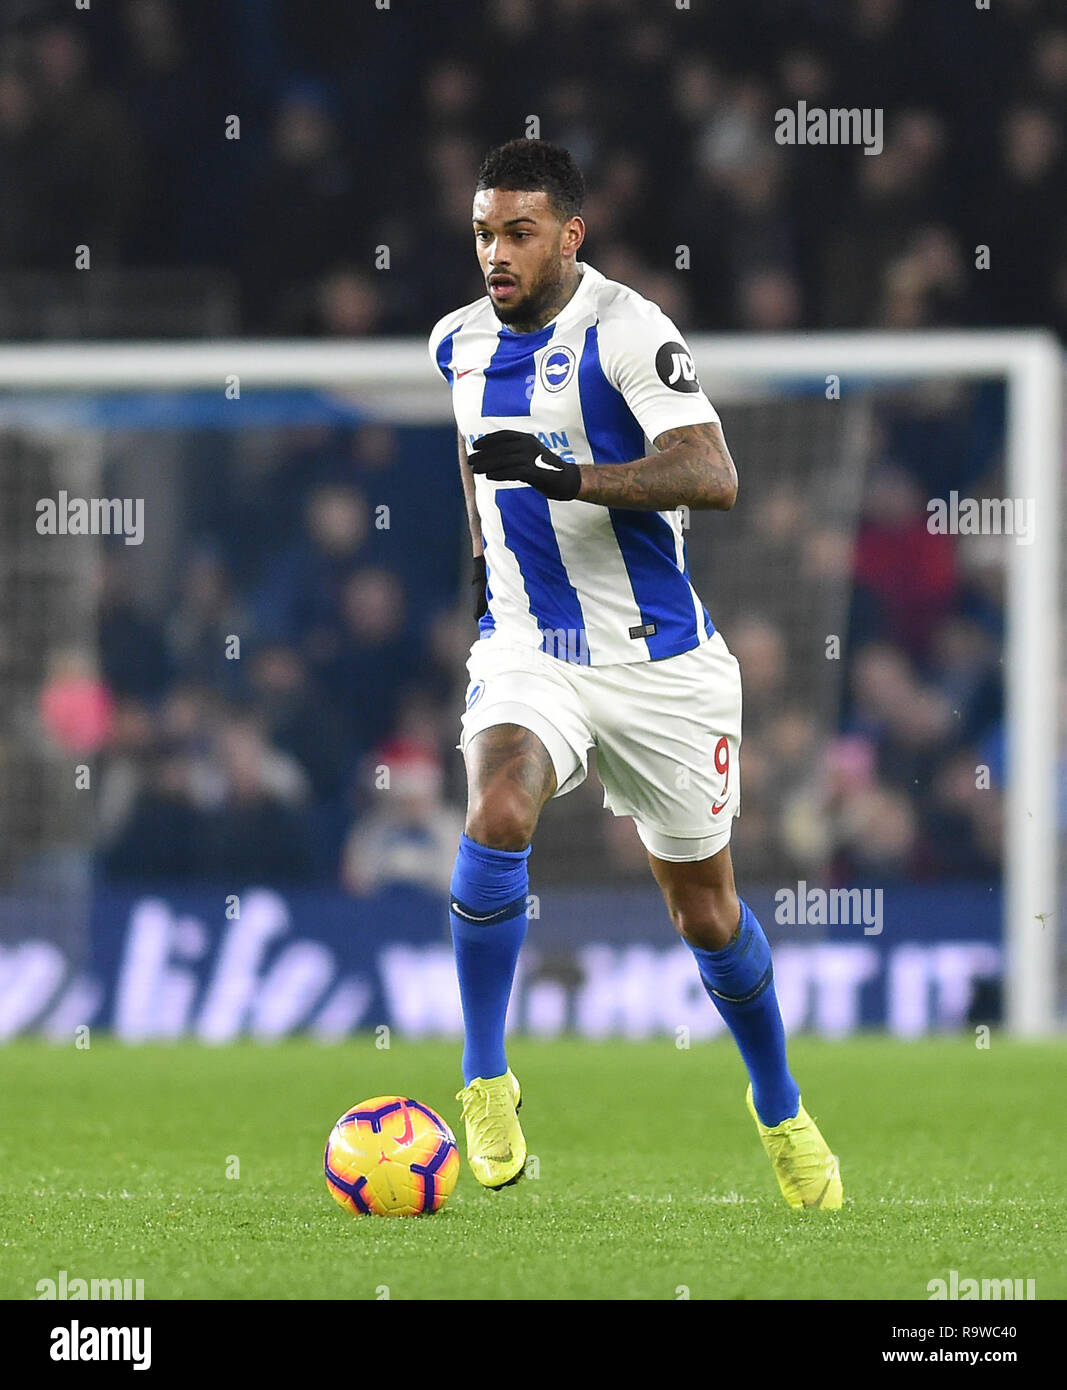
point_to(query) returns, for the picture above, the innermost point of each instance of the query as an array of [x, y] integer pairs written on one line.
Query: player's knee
[[707, 919], [501, 821]]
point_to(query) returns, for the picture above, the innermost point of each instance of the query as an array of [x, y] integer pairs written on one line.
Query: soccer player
[[590, 633]]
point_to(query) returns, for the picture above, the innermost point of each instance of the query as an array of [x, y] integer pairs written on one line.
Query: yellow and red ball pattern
[[391, 1156]]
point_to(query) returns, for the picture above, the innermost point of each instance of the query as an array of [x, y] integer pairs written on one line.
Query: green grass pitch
[[652, 1181]]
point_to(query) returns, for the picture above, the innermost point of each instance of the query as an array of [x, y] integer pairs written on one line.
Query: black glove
[[510, 456], [481, 605]]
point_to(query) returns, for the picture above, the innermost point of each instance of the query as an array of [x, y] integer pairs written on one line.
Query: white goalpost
[[394, 381]]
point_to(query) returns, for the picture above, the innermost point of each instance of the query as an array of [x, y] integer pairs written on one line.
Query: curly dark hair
[[533, 166]]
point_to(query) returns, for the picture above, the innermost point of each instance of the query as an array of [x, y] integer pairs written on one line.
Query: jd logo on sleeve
[[675, 369]]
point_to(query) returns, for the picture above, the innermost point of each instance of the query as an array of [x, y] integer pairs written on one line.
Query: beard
[[539, 303]]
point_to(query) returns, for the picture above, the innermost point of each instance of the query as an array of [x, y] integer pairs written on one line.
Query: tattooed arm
[[692, 467]]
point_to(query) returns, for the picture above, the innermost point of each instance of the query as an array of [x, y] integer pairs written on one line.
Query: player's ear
[[573, 235]]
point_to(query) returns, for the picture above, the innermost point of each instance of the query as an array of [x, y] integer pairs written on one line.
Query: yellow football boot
[[496, 1149], [807, 1171]]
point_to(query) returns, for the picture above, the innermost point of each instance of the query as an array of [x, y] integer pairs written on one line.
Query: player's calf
[[490, 884], [708, 919], [734, 960], [701, 899]]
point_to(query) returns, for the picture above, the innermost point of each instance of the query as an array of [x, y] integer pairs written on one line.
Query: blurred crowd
[[282, 712], [339, 202], [910, 785]]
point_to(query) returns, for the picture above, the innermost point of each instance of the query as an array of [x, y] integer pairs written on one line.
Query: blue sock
[[488, 917], [739, 980]]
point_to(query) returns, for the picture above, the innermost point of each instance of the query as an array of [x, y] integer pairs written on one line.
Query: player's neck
[[568, 287]]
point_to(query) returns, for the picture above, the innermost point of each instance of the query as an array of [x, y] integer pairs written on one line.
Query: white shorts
[[667, 733]]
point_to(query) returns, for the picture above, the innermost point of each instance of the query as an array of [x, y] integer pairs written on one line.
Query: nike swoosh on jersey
[[541, 463]]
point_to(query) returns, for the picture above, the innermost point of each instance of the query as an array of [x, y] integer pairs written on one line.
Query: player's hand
[[510, 456], [481, 603]]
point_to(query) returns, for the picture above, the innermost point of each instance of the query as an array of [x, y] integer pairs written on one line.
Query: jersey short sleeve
[[433, 343], [649, 363], [439, 343]]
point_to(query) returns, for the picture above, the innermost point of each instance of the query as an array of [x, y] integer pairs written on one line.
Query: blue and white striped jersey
[[585, 583]]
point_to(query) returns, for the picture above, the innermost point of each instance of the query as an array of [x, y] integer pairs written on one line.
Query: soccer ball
[[391, 1156]]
